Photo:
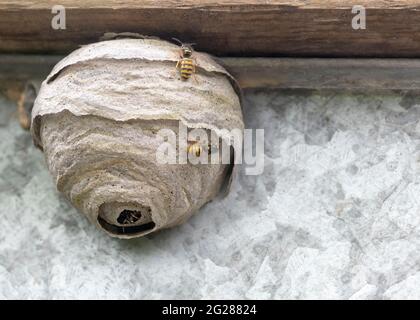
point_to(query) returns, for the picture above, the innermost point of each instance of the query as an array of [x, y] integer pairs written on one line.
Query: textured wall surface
[[336, 214]]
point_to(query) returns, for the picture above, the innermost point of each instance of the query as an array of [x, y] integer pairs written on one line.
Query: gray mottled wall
[[334, 215]]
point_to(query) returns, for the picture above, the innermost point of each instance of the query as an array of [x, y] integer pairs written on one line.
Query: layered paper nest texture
[[96, 119]]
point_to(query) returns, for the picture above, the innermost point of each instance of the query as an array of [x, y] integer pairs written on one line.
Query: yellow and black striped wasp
[[196, 148], [186, 64]]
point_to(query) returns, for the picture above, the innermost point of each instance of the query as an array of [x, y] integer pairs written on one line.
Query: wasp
[[196, 148], [186, 64]]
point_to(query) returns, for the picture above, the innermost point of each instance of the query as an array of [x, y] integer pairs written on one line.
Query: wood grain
[[312, 28]]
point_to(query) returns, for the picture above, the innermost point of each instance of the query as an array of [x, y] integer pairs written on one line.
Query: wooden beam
[[300, 28], [17, 70], [272, 73], [323, 73]]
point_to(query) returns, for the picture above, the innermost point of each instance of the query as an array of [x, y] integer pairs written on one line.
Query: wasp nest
[[98, 116]]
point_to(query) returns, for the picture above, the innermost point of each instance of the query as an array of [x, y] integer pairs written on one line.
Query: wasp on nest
[[112, 175], [186, 64]]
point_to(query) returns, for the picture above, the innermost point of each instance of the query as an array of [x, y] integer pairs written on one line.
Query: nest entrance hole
[[129, 221], [129, 216]]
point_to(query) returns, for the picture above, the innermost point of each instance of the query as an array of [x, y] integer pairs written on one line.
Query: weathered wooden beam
[[287, 73], [17, 70], [310, 28], [323, 73]]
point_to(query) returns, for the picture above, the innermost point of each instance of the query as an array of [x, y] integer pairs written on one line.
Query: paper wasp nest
[[97, 118]]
